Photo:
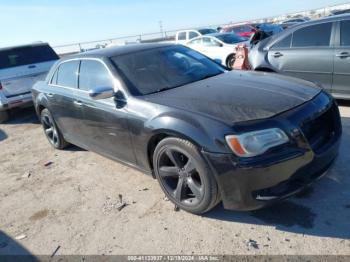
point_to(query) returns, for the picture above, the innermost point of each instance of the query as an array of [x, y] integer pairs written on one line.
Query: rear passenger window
[[284, 43], [67, 74], [313, 36], [182, 36], [192, 35], [345, 33], [93, 74], [54, 78]]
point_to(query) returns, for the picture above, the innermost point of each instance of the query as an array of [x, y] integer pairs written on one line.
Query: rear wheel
[[51, 131], [4, 116], [184, 176]]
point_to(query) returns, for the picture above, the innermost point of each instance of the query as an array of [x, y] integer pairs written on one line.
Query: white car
[[182, 37], [220, 46], [20, 68]]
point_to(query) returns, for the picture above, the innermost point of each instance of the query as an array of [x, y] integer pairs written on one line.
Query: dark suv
[[206, 134], [318, 51]]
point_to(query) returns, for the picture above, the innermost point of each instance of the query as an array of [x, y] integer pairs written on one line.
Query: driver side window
[[207, 41], [197, 41], [93, 74], [284, 43]]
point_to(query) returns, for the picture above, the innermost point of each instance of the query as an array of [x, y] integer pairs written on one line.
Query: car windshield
[[231, 38], [159, 69], [207, 31]]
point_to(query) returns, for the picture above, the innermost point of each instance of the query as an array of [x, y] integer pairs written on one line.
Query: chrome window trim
[[114, 80]]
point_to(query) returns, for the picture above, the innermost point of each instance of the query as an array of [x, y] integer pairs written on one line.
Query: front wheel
[[184, 176], [52, 133], [230, 61]]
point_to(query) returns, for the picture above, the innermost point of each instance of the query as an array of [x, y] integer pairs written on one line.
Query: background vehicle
[[264, 31], [182, 37], [294, 21], [246, 30], [20, 68], [205, 133], [318, 51], [270, 29], [340, 12], [219, 46]]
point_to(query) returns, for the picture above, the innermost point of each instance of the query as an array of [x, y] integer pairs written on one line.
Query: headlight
[[256, 143]]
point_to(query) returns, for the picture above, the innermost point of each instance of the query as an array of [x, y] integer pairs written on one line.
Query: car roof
[[304, 24], [117, 50], [324, 19], [22, 46]]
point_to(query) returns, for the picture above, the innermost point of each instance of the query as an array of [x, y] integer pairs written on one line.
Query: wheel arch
[[40, 103], [160, 135]]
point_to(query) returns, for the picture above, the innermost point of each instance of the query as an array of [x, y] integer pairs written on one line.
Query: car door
[[191, 35], [63, 102], [341, 77], [212, 48], [196, 44], [105, 124], [310, 55]]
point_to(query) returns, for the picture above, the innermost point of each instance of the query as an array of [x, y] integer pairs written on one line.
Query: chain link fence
[[169, 36]]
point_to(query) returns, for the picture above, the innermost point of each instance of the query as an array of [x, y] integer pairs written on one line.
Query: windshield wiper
[[163, 89]]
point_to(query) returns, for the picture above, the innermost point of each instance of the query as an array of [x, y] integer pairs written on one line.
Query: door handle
[[343, 55], [50, 95], [277, 54], [78, 103]]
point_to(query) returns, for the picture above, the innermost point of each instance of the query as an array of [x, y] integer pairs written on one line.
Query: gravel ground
[[69, 199]]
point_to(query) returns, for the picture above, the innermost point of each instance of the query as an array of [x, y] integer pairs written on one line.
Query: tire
[[51, 130], [4, 116], [184, 176], [230, 61]]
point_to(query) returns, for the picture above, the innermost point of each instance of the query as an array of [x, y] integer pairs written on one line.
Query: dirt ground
[[71, 204]]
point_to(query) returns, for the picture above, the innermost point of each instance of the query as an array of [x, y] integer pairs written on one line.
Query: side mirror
[[101, 92]]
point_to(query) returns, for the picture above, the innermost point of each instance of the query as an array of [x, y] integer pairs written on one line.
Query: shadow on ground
[[322, 210], [11, 250], [22, 116], [344, 103], [3, 135]]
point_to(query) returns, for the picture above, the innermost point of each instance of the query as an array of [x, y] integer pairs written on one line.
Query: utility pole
[[161, 28]]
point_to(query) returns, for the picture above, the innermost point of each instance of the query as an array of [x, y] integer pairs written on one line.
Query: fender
[[40, 100], [201, 131]]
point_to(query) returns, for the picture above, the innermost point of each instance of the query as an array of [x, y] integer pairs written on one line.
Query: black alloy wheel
[[184, 176], [51, 131]]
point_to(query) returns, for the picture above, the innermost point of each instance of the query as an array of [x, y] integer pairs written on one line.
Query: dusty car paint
[[127, 128]]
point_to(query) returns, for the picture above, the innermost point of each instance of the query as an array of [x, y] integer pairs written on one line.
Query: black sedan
[[208, 135]]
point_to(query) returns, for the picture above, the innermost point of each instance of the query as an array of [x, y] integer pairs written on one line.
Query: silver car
[[20, 68], [318, 51]]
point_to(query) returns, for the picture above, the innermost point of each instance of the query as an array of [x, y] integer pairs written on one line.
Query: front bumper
[[248, 184]]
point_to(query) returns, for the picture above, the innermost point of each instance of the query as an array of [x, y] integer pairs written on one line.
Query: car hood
[[238, 96]]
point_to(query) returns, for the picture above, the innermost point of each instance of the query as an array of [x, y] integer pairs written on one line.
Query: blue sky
[[67, 21]]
